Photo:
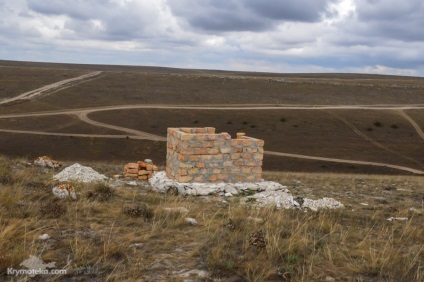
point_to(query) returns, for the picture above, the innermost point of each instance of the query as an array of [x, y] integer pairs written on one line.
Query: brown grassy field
[[381, 135], [95, 240]]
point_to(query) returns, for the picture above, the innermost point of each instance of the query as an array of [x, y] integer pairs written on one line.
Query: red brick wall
[[201, 155]]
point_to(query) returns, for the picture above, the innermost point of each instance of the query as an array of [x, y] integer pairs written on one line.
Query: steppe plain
[[357, 138]]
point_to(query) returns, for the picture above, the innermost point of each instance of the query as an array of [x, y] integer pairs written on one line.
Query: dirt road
[[413, 123], [403, 168], [51, 88], [83, 115]]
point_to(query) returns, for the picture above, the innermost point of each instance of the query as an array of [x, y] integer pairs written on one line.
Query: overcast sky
[[365, 36]]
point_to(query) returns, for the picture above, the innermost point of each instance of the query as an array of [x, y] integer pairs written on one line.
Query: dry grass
[[95, 239]]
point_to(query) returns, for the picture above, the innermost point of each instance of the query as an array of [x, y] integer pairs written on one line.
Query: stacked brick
[[201, 155], [139, 170]]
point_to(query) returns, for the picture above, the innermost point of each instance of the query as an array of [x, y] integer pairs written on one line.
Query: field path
[[413, 123], [51, 87], [404, 168], [366, 137], [82, 114]]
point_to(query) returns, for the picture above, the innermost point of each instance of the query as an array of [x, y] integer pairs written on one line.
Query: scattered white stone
[[414, 210], [148, 161], [268, 192], [195, 275], [179, 209], [34, 262], [397, 218], [190, 220], [279, 199], [324, 203], [45, 236], [160, 183], [364, 204], [132, 183], [136, 245], [77, 172], [230, 189]]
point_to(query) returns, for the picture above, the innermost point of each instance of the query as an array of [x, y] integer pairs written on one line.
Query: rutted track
[[83, 115], [413, 123], [54, 87]]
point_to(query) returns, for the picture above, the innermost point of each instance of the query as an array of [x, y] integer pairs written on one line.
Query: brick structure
[[201, 155]]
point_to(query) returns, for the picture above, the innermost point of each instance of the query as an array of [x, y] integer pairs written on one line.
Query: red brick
[[142, 177], [132, 170], [184, 179], [210, 130], [183, 172], [260, 143], [187, 137], [246, 170], [236, 170], [217, 171], [247, 142], [142, 172], [237, 150], [182, 158], [235, 156], [207, 144], [200, 151], [246, 156], [251, 163], [212, 178], [225, 150], [213, 151], [201, 130], [193, 158], [200, 179], [257, 170], [193, 171], [239, 163], [149, 167], [258, 157], [240, 135], [200, 164], [236, 142], [223, 177], [141, 164], [132, 165]]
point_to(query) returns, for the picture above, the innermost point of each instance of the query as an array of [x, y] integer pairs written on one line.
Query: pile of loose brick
[[201, 155], [139, 170]]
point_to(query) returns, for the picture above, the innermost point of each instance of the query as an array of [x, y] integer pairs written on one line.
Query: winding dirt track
[[82, 114]]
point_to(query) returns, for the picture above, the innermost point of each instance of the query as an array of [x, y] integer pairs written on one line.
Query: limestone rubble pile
[[77, 172], [140, 170]]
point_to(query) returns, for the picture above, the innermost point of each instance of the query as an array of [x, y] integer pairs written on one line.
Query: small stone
[[397, 218], [228, 195], [116, 176], [45, 236], [179, 209], [132, 183], [64, 191], [148, 161], [190, 220]]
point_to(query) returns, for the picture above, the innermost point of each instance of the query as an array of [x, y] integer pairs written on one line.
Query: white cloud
[[270, 35]]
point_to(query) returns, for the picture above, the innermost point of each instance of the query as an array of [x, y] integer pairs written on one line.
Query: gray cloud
[[401, 20], [246, 15], [292, 35]]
